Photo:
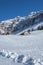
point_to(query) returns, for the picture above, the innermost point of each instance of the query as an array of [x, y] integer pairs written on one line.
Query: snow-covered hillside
[[34, 21], [22, 50], [21, 40]]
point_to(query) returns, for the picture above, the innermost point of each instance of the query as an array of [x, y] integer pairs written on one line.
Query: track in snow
[[31, 45]]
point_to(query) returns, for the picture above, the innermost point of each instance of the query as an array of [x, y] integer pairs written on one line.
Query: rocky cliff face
[[34, 21]]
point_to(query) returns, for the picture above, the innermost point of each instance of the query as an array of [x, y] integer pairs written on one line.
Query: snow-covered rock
[[16, 25]]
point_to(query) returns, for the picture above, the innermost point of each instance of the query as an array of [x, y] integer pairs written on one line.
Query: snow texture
[[14, 51]]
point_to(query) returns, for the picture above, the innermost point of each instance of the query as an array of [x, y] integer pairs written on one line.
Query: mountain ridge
[[34, 21]]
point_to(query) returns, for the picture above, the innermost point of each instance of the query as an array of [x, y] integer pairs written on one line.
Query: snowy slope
[[18, 24], [31, 45], [21, 40]]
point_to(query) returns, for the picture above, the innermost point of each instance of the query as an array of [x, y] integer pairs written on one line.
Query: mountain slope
[[34, 21]]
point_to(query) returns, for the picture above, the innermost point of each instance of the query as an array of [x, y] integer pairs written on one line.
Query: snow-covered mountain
[[22, 50], [20, 25]]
